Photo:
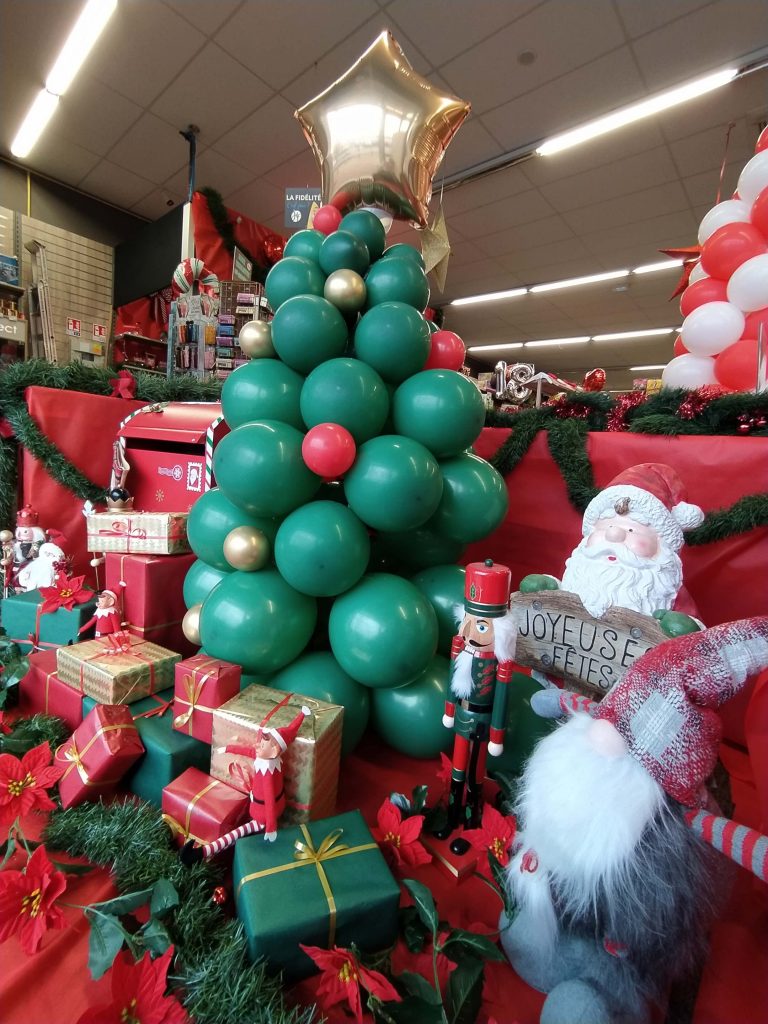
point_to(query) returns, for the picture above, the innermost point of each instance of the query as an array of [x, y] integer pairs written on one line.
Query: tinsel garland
[[225, 228]]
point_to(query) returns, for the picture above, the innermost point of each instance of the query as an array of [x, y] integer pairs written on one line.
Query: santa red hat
[[288, 733], [654, 494], [664, 706]]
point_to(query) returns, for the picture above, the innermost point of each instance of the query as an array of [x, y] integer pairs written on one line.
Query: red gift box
[[150, 588], [41, 690], [99, 753], [197, 807], [202, 684]]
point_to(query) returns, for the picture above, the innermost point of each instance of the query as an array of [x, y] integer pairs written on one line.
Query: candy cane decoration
[[747, 847], [209, 435], [190, 270]]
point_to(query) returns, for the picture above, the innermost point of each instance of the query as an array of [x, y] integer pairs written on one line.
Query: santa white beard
[[461, 675], [642, 584]]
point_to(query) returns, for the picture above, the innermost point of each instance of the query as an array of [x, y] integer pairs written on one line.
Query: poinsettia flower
[[496, 833], [26, 901], [65, 593], [3, 727], [342, 977], [444, 774], [398, 839], [23, 783], [138, 994]]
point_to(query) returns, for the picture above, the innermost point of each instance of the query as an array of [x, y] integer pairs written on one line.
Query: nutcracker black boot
[[471, 815], [454, 810]]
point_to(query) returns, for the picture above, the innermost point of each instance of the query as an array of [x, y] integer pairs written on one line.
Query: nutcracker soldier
[[481, 668], [29, 536]]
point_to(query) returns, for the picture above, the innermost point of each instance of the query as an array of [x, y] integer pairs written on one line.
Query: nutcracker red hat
[[486, 589], [27, 517], [664, 706], [652, 493], [288, 733]]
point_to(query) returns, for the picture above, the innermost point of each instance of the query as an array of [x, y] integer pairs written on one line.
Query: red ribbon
[[123, 385]]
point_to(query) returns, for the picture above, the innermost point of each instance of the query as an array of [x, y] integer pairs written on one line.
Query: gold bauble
[[346, 290], [5, 536], [190, 624], [255, 340], [246, 548]]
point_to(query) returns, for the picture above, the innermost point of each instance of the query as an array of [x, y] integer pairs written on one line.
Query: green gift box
[[168, 752], [20, 620], [324, 883]]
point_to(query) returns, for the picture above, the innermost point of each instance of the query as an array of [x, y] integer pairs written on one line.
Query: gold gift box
[[311, 763], [116, 676], [138, 533]]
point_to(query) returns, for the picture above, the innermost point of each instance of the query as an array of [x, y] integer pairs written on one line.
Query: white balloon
[[710, 328], [689, 372], [748, 284], [754, 178], [729, 212], [697, 274]]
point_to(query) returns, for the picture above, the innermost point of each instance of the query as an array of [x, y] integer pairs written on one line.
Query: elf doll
[[106, 618], [267, 791]]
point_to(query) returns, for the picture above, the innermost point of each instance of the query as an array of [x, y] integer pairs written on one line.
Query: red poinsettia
[[138, 994], [23, 783], [496, 833], [342, 977], [26, 901], [398, 839], [443, 775], [3, 727], [65, 593]]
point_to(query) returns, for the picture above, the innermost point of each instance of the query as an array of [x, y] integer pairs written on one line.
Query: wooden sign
[[557, 636]]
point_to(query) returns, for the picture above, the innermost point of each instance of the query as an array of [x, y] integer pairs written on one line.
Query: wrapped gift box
[[202, 685], [138, 533], [101, 750], [282, 892], [117, 669], [43, 691], [311, 763], [19, 614], [195, 806], [150, 589]]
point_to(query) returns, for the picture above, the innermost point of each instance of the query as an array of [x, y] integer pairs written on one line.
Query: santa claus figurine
[[106, 618], [267, 790], [41, 571], [612, 881]]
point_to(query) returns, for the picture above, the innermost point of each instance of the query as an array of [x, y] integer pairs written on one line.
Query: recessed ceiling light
[[621, 335], [575, 282], [511, 293]]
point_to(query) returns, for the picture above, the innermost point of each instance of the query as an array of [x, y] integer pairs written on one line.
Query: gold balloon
[[246, 548], [346, 290], [379, 133], [255, 339], [190, 624]]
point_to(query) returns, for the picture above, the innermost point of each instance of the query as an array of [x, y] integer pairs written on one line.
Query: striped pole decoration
[[745, 846], [209, 437]]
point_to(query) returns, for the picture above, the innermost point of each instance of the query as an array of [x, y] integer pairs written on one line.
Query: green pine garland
[[223, 225]]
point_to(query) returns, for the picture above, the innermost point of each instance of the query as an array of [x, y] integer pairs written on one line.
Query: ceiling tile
[[705, 150], [152, 149], [494, 188], [472, 145], [540, 232], [541, 255], [663, 199], [61, 159], [640, 18], [266, 138], [212, 170], [632, 174], [258, 200], [95, 116], [464, 252], [701, 189], [298, 171], [514, 211], [158, 202], [744, 102], [203, 14], [672, 229], [109, 181]]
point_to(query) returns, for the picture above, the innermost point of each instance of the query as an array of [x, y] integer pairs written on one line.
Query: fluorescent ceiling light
[[557, 341], [636, 111], [38, 116], [81, 40], [651, 333], [651, 268], [651, 366], [574, 282], [492, 348], [511, 293]]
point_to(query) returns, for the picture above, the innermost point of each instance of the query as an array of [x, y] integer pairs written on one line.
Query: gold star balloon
[[379, 133]]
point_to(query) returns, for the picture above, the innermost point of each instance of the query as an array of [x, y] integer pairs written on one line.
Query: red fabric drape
[[210, 248]]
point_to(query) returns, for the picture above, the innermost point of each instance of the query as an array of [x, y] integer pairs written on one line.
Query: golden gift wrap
[[138, 533], [311, 763], [117, 669]]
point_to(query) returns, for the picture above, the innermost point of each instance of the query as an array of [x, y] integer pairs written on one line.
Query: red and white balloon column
[[726, 300]]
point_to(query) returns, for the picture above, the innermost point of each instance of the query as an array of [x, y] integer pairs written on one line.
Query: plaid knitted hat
[[664, 706]]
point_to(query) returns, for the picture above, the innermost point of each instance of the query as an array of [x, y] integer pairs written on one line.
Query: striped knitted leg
[[743, 845], [211, 849]]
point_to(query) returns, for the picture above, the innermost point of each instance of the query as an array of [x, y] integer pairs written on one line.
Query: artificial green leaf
[[73, 869], [401, 802], [471, 942], [465, 991], [105, 943], [123, 904], [435, 818], [416, 985], [419, 798], [498, 873], [7, 850], [412, 929], [164, 898], [508, 784], [425, 904], [413, 1010], [155, 937]]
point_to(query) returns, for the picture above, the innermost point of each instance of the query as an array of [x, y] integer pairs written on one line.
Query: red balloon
[[327, 219], [752, 322], [736, 366], [729, 247], [762, 141], [446, 352], [709, 289], [679, 348], [759, 213], [594, 380], [328, 450]]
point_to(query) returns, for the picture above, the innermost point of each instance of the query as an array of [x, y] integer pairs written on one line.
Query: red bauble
[[219, 895], [759, 213], [327, 219], [446, 352], [736, 367], [707, 290], [752, 322], [729, 247], [594, 380], [273, 248], [328, 450], [679, 348], [762, 141]]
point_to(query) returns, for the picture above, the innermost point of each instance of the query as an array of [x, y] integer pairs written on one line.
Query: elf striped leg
[[211, 849]]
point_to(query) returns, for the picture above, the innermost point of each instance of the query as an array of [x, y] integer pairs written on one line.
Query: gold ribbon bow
[[193, 690], [75, 756]]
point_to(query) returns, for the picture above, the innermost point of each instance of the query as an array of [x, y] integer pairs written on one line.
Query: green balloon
[[344, 251], [212, 517], [319, 675], [256, 620], [368, 228], [474, 501], [348, 392], [440, 408], [292, 276], [394, 483], [404, 251], [200, 580], [307, 330], [394, 339], [322, 548], [305, 244], [524, 728], [410, 718], [260, 469], [263, 389], [413, 550], [383, 631], [397, 279], [443, 587]]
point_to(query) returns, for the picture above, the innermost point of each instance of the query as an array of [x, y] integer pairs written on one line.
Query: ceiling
[[239, 68]]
